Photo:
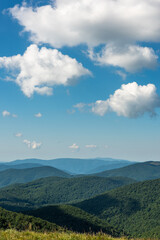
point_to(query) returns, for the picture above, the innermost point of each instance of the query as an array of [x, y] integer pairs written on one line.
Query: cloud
[[18, 134], [107, 22], [75, 22], [5, 113], [130, 57], [121, 74], [68, 92], [74, 146], [38, 70], [70, 111], [131, 100], [38, 115], [80, 106], [14, 115], [91, 146], [33, 145]]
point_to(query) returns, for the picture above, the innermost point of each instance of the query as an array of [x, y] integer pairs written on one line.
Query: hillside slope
[[21, 222], [134, 209], [12, 176], [78, 221], [139, 171], [54, 190], [73, 219]]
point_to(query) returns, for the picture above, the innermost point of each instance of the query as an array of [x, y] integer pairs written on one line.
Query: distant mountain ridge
[[12, 176], [74, 165], [4, 167], [138, 171]]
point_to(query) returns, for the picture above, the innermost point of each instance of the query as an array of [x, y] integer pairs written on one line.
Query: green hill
[[21, 222], [134, 209], [12, 176], [67, 218], [73, 219], [54, 190], [138, 171]]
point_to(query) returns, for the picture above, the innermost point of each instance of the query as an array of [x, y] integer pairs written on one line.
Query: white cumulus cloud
[[32, 144], [74, 146], [38, 115], [130, 57], [5, 113], [35, 145], [131, 100], [38, 70], [118, 24], [91, 22]]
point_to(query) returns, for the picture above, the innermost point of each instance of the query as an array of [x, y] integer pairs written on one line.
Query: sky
[[80, 79]]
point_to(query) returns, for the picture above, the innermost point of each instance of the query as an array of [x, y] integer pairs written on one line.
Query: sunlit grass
[[15, 235]]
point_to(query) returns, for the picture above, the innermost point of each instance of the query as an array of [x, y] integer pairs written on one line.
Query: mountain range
[[70, 165], [121, 201]]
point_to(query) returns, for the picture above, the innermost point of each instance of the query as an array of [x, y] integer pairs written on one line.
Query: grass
[[27, 235]]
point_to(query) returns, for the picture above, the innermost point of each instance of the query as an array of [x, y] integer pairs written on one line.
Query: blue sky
[[80, 79]]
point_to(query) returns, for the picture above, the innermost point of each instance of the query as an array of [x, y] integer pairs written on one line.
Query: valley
[[118, 202]]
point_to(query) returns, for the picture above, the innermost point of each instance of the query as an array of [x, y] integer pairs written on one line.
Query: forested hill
[[12, 176], [139, 171], [66, 218], [134, 208], [54, 190], [23, 222], [74, 219]]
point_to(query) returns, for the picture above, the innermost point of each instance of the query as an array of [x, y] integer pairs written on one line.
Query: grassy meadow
[[28, 235], [12, 234]]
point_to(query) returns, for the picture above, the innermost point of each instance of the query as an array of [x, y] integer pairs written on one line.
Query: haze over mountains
[[71, 165], [6, 166], [23, 171]]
